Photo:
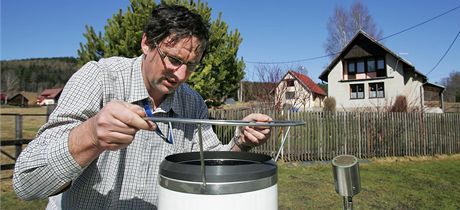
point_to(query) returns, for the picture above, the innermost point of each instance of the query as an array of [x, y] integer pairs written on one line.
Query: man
[[97, 151]]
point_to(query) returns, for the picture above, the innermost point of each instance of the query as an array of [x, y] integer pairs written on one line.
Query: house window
[[290, 95], [351, 70], [290, 82], [381, 71], [360, 67], [356, 91], [366, 65], [376, 90], [351, 67], [370, 65]]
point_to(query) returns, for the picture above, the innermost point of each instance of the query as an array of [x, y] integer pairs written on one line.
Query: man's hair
[[176, 22]]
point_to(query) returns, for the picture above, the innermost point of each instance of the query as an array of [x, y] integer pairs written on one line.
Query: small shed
[[23, 99], [49, 96]]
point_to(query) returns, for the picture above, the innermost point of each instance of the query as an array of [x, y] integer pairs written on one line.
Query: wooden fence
[[18, 142], [326, 135], [363, 134]]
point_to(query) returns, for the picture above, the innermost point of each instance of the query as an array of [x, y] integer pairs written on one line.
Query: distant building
[[49, 96], [23, 99], [298, 92], [367, 75], [3, 98]]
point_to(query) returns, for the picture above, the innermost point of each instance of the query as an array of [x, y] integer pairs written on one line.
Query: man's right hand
[[113, 128]]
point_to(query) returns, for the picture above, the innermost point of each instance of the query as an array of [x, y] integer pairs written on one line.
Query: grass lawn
[[393, 183], [396, 183]]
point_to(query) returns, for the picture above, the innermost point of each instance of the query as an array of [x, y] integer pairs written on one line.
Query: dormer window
[[371, 65], [351, 70], [360, 67], [381, 70], [368, 67]]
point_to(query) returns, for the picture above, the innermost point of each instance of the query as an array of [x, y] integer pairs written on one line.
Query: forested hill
[[36, 74]]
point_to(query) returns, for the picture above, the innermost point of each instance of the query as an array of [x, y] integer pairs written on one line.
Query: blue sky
[[272, 31]]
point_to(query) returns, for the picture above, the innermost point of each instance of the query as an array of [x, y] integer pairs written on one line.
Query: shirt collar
[[138, 91]]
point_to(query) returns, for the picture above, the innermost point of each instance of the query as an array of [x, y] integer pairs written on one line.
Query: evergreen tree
[[216, 79]]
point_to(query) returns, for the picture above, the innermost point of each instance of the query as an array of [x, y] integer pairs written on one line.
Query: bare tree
[[337, 29], [452, 84], [343, 25], [262, 91], [361, 20], [11, 82]]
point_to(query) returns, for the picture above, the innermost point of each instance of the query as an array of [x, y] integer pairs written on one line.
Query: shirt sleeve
[[46, 165]]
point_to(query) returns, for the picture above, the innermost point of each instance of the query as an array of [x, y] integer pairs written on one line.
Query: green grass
[[31, 124], [397, 183]]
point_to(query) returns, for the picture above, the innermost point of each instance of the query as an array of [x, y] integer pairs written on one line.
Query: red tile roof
[[50, 93], [308, 83]]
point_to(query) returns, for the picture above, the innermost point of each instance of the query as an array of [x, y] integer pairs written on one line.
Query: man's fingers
[[257, 117], [134, 118], [250, 139], [136, 109], [255, 136]]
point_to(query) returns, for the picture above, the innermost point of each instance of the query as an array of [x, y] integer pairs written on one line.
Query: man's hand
[[252, 136], [113, 128]]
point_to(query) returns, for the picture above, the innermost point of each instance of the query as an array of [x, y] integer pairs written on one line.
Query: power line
[[292, 61], [417, 25], [450, 46], [391, 35]]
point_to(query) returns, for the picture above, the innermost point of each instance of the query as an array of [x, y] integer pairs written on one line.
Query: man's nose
[[181, 72]]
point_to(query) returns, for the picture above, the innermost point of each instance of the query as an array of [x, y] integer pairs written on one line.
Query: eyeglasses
[[176, 62]]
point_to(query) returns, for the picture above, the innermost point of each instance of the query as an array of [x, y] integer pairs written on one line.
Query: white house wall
[[397, 86]]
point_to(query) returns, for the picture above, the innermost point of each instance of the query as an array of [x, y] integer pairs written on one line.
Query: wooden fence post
[[18, 134]]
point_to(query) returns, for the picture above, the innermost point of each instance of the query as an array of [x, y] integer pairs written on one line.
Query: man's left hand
[[252, 136]]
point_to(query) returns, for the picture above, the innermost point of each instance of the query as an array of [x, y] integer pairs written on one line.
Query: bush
[[329, 104], [400, 104]]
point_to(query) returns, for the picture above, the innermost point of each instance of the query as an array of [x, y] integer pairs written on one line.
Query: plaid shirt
[[122, 179]]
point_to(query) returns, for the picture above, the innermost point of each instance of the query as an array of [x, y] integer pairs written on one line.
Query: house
[[433, 97], [49, 96], [367, 75], [298, 92], [23, 99]]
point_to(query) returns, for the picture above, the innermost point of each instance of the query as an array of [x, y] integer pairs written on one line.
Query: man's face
[[167, 67]]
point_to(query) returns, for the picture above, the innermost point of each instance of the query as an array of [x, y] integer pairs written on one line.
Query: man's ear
[[145, 44]]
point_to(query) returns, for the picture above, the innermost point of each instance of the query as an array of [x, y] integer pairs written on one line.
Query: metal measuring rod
[[201, 122]]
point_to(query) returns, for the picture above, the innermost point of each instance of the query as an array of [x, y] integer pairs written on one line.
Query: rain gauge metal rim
[[203, 186]]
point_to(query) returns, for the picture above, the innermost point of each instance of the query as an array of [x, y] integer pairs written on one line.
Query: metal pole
[[282, 143], [203, 168], [348, 203], [18, 134]]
